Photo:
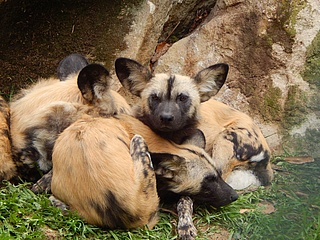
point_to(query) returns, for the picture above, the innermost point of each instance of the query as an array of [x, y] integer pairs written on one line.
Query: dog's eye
[[210, 178], [155, 97], [182, 97]]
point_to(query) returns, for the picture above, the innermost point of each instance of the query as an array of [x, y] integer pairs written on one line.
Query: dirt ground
[[36, 35]]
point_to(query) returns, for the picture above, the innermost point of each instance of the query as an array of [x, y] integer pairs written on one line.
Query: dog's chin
[[167, 128], [159, 126]]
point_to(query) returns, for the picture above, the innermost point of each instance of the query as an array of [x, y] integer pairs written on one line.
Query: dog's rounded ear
[[197, 138], [166, 165], [93, 81], [132, 75], [210, 80], [70, 65]]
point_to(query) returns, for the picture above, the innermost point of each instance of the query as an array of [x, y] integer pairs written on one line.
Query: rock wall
[[272, 48], [268, 45]]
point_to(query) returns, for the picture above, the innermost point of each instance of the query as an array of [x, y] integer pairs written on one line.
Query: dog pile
[[112, 162]]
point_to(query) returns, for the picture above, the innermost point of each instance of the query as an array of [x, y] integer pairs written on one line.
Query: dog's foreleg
[[186, 229]]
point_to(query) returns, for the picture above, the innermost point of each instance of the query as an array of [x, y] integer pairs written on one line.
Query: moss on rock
[[295, 111], [270, 108], [306, 144], [311, 72], [282, 29], [288, 12]]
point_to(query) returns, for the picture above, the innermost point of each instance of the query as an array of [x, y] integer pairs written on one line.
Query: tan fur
[[187, 165], [217, 121], [7, 166], [91, 159], [48, 123], [40, 95], [182, 84], [170, 102]]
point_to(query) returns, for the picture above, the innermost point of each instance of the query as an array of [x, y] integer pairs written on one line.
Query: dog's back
[[106, 178], [236, 144]]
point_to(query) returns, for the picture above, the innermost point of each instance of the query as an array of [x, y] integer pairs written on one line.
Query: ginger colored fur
[[176, 106], [7, 166], [95, 174], [29, 101], [170, 102]]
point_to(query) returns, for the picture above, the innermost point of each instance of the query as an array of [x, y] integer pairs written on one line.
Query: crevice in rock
[[183, 19]]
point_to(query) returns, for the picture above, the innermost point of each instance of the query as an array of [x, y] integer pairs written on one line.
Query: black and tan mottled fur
[[91, 160], [31, 149], [186, 229], [236, 144]]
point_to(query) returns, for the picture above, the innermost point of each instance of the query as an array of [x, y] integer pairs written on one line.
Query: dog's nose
[[166, 117], [234, 197]]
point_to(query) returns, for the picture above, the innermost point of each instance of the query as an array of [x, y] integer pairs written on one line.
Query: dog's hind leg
[[43, 185], [142, 163], [145, 176]]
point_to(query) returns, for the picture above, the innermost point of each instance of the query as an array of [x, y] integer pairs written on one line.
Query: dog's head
[[187, 170], [169, 103], [192, 173], [71, 64], [93, 80]]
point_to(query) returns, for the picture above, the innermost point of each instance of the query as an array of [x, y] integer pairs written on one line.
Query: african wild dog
[[105, 178], [196, 176], [181, 169], [7, 166], [122, 190], [170, 106], [91, 86]]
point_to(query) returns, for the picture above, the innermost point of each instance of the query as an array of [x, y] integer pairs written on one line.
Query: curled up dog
[[33, 135]]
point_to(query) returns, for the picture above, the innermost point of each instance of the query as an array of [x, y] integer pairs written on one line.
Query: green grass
[[294, 194]]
